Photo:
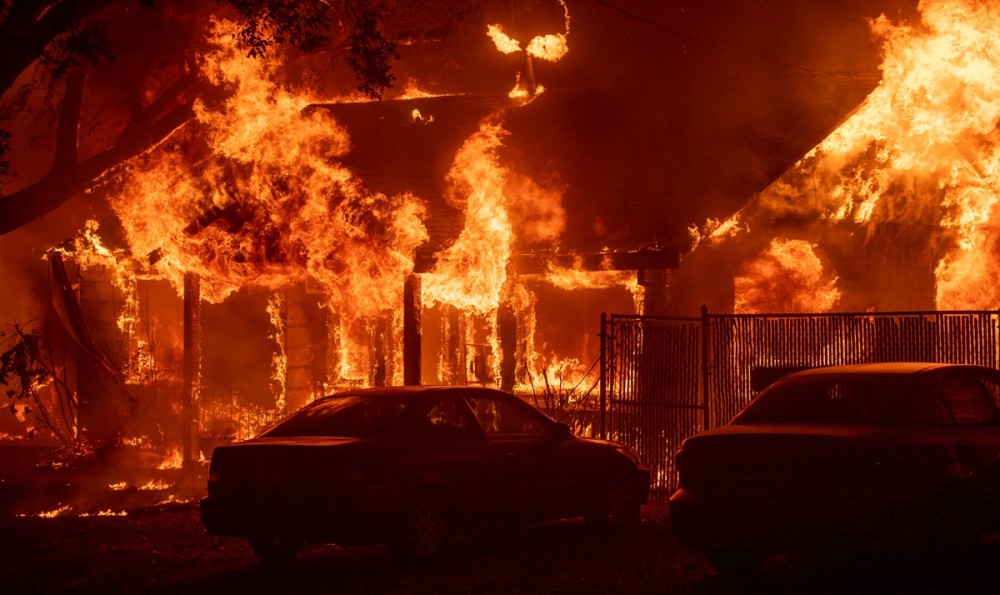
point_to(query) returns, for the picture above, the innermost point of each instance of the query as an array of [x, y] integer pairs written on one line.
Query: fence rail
[[664, 379]]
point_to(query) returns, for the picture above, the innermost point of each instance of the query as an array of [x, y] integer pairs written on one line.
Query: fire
[[715, 232], [787, 274], [173, 460], [156, 485], [254, 195], [504, 42], [51, 514], [551, 47], [279, 360], [484, 244], [289, 213], [548, 47], [921, 154]]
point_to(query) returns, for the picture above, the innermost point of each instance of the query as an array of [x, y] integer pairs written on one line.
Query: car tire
[[617, 502], [735, 564], [274, 548], [421, 531]]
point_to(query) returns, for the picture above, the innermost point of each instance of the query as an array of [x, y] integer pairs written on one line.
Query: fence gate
[[652, 389], [663, 379]]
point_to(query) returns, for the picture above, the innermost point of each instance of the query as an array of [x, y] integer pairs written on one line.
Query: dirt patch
[[165, 549]]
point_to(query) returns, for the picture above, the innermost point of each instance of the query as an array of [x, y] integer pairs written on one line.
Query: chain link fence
[[664, 379]]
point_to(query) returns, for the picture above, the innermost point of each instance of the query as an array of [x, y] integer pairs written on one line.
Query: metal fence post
[[705, 336], [604, 372]]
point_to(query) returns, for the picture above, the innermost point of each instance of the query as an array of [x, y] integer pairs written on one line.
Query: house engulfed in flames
[[284, 246], [897, 209]]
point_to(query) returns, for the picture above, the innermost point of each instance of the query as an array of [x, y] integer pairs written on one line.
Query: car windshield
[[834, 400], [349, 416]]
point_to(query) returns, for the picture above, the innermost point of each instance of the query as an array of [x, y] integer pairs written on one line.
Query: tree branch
[[61, 184], [26, 37], [67, 131]]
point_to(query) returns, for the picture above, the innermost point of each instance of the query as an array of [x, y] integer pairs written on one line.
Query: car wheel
[[735, 564], [421, 531], [618, 503], [274, 548]]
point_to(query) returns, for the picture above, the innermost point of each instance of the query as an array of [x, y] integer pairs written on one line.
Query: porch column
[[412, 306]]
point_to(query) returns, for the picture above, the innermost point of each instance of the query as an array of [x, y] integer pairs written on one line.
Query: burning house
[[895, 209], [533, 168]]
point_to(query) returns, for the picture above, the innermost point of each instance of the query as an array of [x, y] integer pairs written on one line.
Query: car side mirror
[[561, 431]]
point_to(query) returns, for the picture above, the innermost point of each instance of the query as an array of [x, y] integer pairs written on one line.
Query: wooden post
[[192, 359], [507, 337], [412, 306], [705, 352]]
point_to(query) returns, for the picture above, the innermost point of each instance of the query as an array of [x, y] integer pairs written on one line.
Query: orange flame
[[787, 277], [471, 272], [253, 194], [921, 152]]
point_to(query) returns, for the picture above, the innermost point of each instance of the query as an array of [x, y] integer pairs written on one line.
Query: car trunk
[[306, 484], [843, 482]]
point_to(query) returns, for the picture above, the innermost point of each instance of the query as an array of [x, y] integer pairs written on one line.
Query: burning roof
[[896, 208]]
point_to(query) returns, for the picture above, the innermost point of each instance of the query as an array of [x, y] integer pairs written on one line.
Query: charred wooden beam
[[192, 360], [208, 217], [412, 306], [533, 264]]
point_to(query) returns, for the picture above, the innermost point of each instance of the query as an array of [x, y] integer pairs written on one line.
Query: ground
[[163, 549], [149, 539]]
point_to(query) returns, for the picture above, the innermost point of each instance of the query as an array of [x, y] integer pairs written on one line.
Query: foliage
[[370, 53], [26, 365], [303, 24]]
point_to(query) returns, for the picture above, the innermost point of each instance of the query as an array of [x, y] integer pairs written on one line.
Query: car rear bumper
[[772, 524], [224, 520], [645, 482], [708, 523]]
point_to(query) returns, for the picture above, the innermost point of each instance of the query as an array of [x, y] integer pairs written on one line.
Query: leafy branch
[[27, 365]]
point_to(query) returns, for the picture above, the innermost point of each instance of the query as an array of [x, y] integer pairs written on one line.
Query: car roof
[[410, 390], [901, 368]]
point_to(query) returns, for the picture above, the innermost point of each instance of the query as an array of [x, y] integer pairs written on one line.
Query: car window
[[500, 417], [835, 400], [965, 402], [991, 383], [447, 420], [351, 417]]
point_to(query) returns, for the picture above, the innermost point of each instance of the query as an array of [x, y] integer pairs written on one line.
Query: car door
[[445, 452], [970, 427], [536, 479]]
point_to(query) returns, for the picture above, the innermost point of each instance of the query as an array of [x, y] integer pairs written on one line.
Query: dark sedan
[[409, 466], [897, 456]]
